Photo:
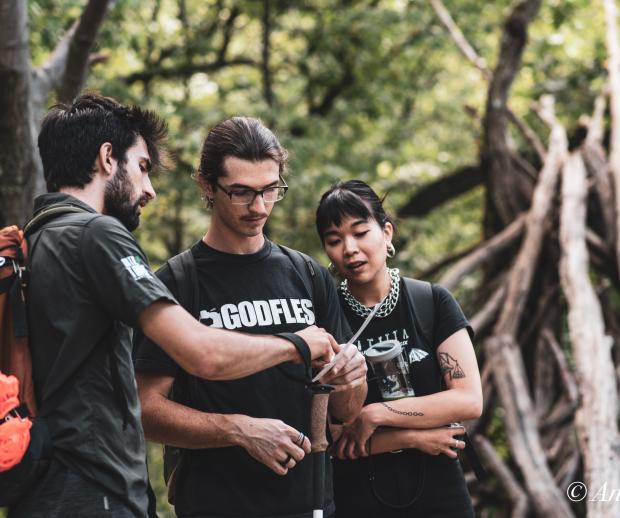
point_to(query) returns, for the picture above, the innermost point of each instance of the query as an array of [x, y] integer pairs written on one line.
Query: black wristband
[[301, 346]]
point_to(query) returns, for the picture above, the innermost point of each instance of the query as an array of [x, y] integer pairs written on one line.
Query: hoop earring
[[391, 251]]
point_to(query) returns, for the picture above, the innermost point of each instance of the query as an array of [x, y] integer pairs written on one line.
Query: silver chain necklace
[[387, 305]]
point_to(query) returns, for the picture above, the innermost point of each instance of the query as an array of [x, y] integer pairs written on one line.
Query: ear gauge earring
[[206, 200], [391, 251]]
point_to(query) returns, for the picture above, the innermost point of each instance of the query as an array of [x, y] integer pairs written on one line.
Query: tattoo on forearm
[[448, 365], [400, 412]]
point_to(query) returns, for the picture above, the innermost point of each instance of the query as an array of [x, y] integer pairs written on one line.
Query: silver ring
[[285, 461], [300, 439], [457, 444]]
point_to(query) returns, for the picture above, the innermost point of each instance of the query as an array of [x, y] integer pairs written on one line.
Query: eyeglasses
[[246, 196]]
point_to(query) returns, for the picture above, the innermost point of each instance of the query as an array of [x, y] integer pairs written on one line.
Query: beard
[[117, 200]]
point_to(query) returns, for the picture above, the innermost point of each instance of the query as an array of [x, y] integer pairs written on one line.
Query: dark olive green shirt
[[89, 283]]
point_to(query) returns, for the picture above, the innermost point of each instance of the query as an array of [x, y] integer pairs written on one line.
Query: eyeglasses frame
[[256, 192]]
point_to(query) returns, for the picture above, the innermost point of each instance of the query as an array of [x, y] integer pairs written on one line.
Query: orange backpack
[[14, 351], [25, 444]]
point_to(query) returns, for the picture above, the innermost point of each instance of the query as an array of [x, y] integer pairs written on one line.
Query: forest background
[[491, 127]]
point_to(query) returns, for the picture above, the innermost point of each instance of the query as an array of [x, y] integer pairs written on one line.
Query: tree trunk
[[596, 418], [19, 156]]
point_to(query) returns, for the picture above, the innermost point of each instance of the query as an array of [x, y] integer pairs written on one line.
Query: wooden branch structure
[[502, 348], [596, 418], [523, 270]]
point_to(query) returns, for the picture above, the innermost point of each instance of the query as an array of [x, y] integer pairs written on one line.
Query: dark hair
[[245, 138], [353, 198], [72, 134]]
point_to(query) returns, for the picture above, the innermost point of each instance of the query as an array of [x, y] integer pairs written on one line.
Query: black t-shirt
[[259, 293], [399, 477], [89, 282]]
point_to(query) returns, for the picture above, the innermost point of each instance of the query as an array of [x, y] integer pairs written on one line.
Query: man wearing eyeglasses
[[243, 442]]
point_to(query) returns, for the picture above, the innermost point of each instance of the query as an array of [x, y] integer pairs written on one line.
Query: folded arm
[[461, 401]]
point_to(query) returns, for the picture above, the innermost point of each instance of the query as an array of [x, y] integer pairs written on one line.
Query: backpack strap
[[304, 266], [183, 269], [421, 298], [48, 213]]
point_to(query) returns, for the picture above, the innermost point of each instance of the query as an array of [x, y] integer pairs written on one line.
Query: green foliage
[[374, 90]]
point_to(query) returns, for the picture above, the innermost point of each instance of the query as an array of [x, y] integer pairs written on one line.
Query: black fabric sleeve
[[449, 317], [331, 317], [147, 355], [118, 272]]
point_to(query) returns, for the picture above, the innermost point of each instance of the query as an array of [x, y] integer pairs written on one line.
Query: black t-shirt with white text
[[259, 293], [400, 477]]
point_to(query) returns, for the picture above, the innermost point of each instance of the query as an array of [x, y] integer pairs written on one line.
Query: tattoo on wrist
[[449, 365], [400, 412]]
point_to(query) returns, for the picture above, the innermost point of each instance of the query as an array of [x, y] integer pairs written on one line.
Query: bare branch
[[446, 188], [522, 426], [508, 194], [470, 53], [596, 418], [48, 76], [336, 89], [445, 261], [185, 70], [484, 253], [79, 50], [599, 169], [596, 127], [613, 50], [485, 316], [523, 269], [529, 134], [228, 30], [67, 65], [566, 375], [495, 464], [459, 38], [267, 86]]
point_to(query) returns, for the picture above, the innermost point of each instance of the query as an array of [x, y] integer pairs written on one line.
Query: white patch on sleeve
[[135, 267]]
